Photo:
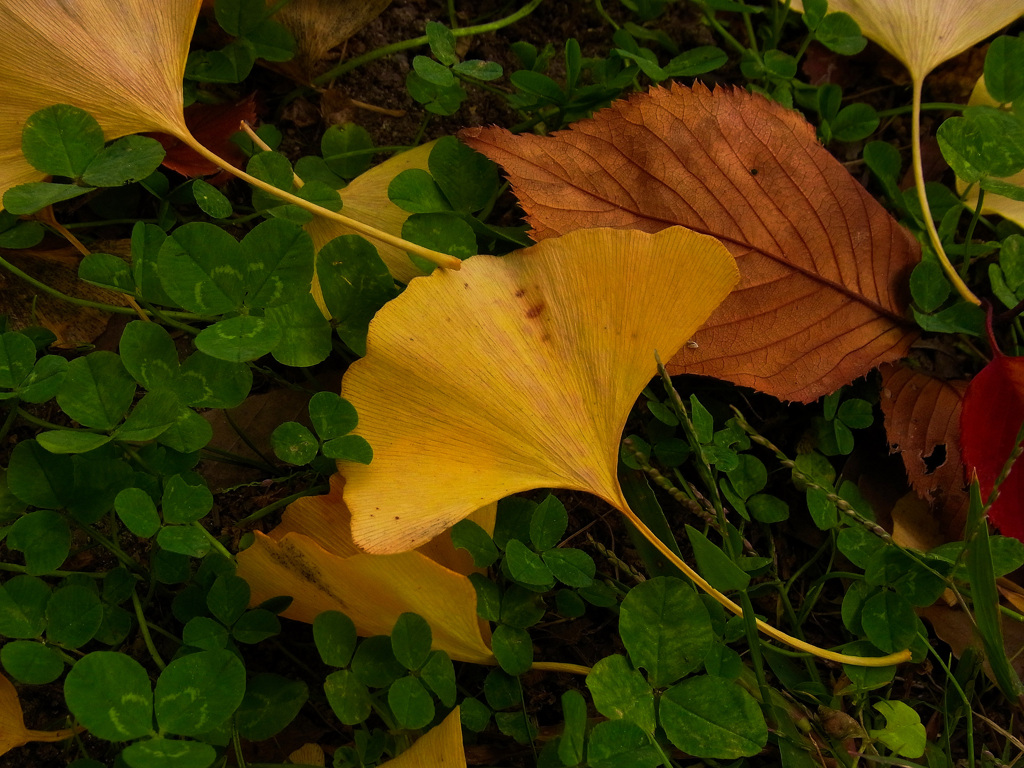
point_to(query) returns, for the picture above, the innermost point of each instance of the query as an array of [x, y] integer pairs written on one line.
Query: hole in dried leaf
[[935, 459]]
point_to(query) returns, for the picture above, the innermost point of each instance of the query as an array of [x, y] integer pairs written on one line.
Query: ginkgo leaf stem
[[767, 629], [922, 196], [560, 666], [436, 257]]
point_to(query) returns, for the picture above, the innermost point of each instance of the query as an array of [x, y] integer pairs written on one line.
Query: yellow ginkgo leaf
[[13, 732], [310, 557], [366, 198], [308, 754], [924, 33], [997, 204], [440, 747], [123, 62], [518, 373]]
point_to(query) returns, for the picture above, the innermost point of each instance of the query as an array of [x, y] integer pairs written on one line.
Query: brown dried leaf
[[956, 628], [823, 267], [320, 25], [922, 420], [25, 305]]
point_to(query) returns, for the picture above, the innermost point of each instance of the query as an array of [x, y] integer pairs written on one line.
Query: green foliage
[[256, 36], [120, 590], [66, 141]]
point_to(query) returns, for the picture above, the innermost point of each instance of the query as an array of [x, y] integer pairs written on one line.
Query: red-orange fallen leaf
[[992, 414], [213, 125], [823, 267], [922, 422]]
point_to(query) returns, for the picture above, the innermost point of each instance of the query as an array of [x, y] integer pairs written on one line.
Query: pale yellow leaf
[[122, 62], [924, 33], [366, 199], [440, 747], [311, 558], [308, 754], [997, 204]]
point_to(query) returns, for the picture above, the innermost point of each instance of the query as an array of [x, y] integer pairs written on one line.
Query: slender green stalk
[[387, 50], [739, 47], [604, 15], [54, 574], [110, 544], [221, 550], [112, 308], [9, 419], [35, 421], [969, 238], [751, 35], [236, 743], [260, 513], [146, 637], [939, 105], [968, 712], [753, 643]]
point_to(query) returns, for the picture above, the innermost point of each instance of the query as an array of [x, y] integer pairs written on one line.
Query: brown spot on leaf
[[534, 311]]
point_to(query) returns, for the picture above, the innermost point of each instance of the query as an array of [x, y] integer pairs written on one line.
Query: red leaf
[[213, 125], [992, 414]]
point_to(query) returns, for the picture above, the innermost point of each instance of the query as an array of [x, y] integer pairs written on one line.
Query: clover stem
[[767, 629], [438, 258], [377, 53], [144, 630], [922, 195]]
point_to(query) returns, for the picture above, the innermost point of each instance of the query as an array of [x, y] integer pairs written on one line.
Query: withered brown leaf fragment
[[922, 423], [319, 26], [821, 299]]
